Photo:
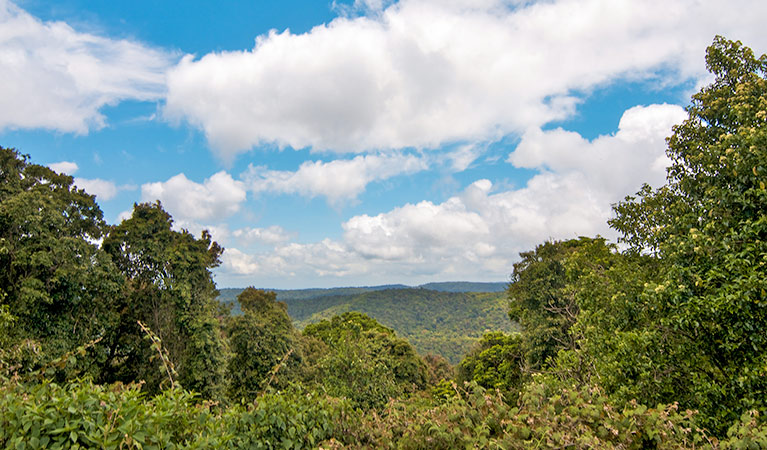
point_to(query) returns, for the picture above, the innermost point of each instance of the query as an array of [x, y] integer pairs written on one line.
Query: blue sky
[[361, 142]]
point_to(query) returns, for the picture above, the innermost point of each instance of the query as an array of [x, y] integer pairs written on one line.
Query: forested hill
[[228, 295], [438, 322], [465, 286]]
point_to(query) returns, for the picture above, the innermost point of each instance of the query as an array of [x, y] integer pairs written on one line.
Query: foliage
[[749, 432], [549, 415], [615, 346], [441, 323], [438, 368], [56, 287], [543, 293], [570, 418], [292, 420], [262, 341], [365, 361], [84, 415], [170, 288], [708, 228], [496, 362], [61, 290]]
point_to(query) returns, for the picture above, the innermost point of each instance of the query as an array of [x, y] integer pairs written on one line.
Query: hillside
[[439, 322], [227, 295]]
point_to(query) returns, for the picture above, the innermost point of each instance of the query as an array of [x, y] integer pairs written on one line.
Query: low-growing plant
[[82, 414]]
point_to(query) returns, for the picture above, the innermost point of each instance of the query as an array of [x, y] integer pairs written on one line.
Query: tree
[[170, 288], [265, 347], [56, 286], [496, 362], [542, 293], [708, 227], [365, 361]]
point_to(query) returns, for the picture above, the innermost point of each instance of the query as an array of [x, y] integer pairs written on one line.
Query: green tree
[[265, 347], [496, 362], [543, 291], [708, 227], [170, 288], [57, 287], [616, 345], [365, 362]]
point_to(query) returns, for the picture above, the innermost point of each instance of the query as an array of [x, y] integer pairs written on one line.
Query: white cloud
[[337, 180], [66, 167], [217, 197], [57, 78], [423, 73], [274, 234], [479, 233], [239, 263], [103, 189], [461, 158], [125, 215], [615, 164]]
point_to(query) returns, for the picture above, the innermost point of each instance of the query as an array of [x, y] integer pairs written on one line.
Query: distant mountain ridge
[[230, 294], [440, 318]]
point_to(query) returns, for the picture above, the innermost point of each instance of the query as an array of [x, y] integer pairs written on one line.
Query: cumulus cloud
[[422, 73], [217, 197], [103, 189], [67, 167], [338, 180], [57, 78], [479, 233], [615, 164], [239, 263]]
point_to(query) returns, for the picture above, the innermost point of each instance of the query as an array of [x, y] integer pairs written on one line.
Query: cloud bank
[[479, 233], [422, 73]]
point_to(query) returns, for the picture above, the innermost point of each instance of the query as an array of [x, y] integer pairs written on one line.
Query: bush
[[85, 415], [545, 417]]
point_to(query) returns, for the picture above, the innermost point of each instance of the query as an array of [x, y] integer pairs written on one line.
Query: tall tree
[[56, 285], [169, 288], [495, 362], [708, 225], [265, 346]]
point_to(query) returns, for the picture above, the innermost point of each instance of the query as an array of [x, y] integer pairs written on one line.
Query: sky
[[361, 142]]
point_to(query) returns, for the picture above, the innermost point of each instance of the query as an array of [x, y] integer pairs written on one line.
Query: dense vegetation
[[435, 322], [440, 323], [229, 295], [110, 336]]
